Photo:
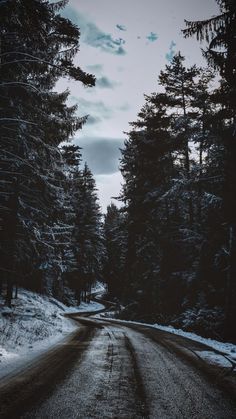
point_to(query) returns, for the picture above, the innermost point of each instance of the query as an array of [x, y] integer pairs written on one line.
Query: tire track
[[21, 390], [142, 405], [119, 372]]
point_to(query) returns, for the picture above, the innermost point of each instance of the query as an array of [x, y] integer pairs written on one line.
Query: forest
[[168, 254]]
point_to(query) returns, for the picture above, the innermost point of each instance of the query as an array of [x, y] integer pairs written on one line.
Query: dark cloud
[[92, 35], [105, 83], [96, 68], [120, 41], [96, 110], [121, 51], [92, 120], [152, 37], [121, 27], [101, 154], [170, 54]]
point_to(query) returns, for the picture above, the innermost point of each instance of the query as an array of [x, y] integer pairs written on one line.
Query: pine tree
[[87, 233], [147, 165], [115, 250], [179, 84], [34, 121], [220, 33]]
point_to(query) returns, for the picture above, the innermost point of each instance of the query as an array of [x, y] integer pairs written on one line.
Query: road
[[112, 370]]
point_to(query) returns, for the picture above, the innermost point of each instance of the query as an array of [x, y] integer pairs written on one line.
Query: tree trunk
[[186, 155], [199, 203], [16, 291], [230, 320], [9, 292]]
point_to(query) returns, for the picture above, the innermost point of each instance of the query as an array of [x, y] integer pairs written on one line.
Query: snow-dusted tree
[[37, 48], [115, 242], [179, 84], [173, 266], [147, 166], [87, 235], [220, 33]]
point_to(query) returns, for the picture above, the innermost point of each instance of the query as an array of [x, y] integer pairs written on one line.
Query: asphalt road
[[111, 370]]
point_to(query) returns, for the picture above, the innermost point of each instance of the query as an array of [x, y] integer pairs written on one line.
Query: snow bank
[[99, 288], [83, 307], [227, 358], [226, 348], [34, 324]]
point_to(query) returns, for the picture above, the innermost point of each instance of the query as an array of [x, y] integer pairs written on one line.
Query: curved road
[[112, 370]]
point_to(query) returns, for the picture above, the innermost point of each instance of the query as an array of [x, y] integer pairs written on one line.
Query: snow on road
[[227, 358], [125, 374]]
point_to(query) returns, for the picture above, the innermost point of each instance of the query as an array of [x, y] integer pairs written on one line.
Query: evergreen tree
[[115, 251], [87, 233], [147, 165], [175, 263], [37, 48], [179, 84], [220, 33]]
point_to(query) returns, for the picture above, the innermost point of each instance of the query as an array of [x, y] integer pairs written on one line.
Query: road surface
[[112, 370]]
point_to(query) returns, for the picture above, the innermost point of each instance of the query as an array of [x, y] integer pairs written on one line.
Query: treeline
[[50, 219], [171, 251]]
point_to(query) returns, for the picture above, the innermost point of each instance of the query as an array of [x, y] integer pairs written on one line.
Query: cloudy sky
[[124, 44]]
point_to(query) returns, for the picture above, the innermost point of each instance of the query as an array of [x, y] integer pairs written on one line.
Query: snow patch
[[214, 358], [99, 288], [226, 348], [84, 307], [31, 326]]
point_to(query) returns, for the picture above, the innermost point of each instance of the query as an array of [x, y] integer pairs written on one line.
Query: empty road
[[114, 370]]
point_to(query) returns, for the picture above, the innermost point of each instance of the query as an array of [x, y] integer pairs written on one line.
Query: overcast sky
[[124, 44]]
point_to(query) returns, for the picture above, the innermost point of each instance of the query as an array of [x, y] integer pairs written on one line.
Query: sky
[[124, 44]]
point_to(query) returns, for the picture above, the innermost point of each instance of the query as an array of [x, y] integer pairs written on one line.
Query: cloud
[[92, 35], [152, 37], [96, 68], [96, 110], [101, 154], [92, 120], [109, 186], [124, 107], [121, 27], [105, 83], [170, 54], [120, 51]]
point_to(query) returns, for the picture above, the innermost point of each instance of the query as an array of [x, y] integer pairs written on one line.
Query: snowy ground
[[99, 288], [228, 349], [220, 346], [33, 325], [92, 306]]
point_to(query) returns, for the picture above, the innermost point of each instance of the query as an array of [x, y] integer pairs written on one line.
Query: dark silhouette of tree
[[220, 34], [115, 251], [37, 48]]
